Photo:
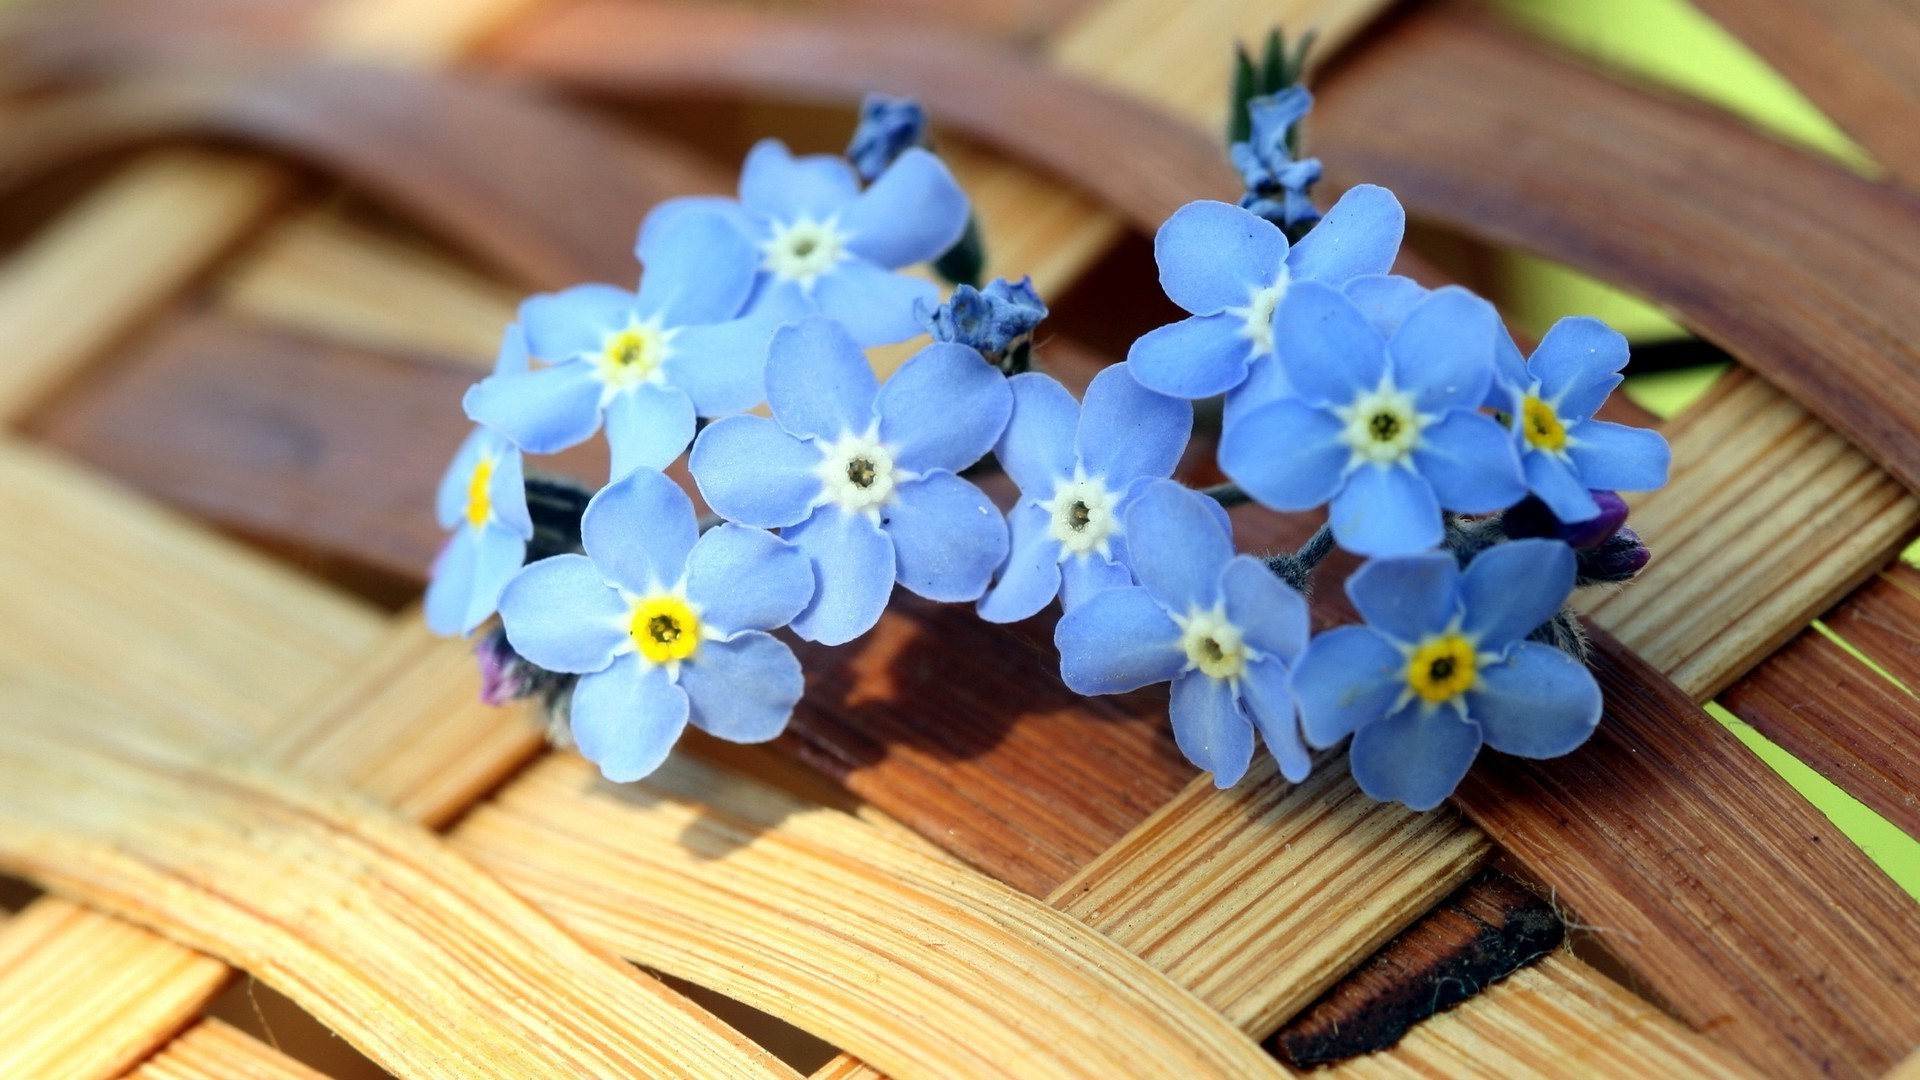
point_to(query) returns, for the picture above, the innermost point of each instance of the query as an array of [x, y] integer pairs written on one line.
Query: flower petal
[[1409, 597], [1327, 348], [638, 531], [1470, 461], [1286, 454], [1119, 640], [722, 367], [1360, 235], [947, 537], [876, 306], [1031, 576], [913, 213], [1083, 577], [498, 555], [1193, 358], [819, 384], [1036, 449], [775, 183], [1616, 457], [1127, 431], [1386, 510], [853, 571], [1268, 611], [627, 718], [648, 427], [751, 471], [1537, 703], [561, 326], [514, 354], [1266, 381], [1214, 256], [1555, 482], [507, 492], [944, 409], [1413, 759], [1385, 299], [450, 498], [1178, 545], [450, 589], [1268, 696], [1510, 589], [561, 615], [699, 269], [1348, 677], [743, 690], [1578, 364], [1210, 727], [659, 220], [544, 411], [747, 579], [1443, 351]]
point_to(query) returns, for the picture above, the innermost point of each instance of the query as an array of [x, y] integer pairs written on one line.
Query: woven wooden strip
[[1882, 620], [85, 995], [212, 1050], [913, 964]]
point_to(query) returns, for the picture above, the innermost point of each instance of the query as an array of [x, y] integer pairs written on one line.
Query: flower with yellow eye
[[482, 500], [664, 626], [1443, 666]]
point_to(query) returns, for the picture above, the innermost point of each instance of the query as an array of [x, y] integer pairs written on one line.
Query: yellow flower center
[[632, 356], [1541, 426], [480, 494], [1442, 668], [1382, 427], [664, 629]]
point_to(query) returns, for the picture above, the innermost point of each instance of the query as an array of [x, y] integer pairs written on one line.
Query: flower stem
[[1297, 569], [1228, 494]]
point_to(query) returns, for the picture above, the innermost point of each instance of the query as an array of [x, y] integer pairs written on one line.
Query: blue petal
[[947, 536], [1348, 678], [1413, 759], [1193, 358], [780, 301], [1031, 576], [876, 306], [1470, 461], [1128, 432], [943, 409], [1555, 482], [1083, 577], [498, 555], [1178, 545], [722, 367], [561, 615], [627, 718], [1286, 455], [853, 569], [1210, 727], [543, 411], [1119, 640], [747, 579], [1509, 590], [659, 220], [1409, 597], [1036, 449], [638, 531], [507, 492], [450, 589], [1271, 615], [1386, 510], [1266, 381], [513, 355], [751, 471], [775, 183], [1269, 700], [1385, 299], [1443, 351], [1510, 378], [913, 213], [1578, 365], [742, 690], [1537, 703], [819, 384], [1360, 235], [699, 269], [563, 325], [1214, 256], [1616, 457], [648, 427], [1328, 349], [450, 498]]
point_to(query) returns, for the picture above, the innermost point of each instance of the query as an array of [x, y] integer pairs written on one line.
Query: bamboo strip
[[912, 963], [85, 995], [212, 1050]]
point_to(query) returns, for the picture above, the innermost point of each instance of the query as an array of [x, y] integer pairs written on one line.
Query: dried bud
[[1531, 518], [1616, 559]]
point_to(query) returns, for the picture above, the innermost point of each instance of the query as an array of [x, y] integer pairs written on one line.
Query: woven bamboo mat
[[254, 252]]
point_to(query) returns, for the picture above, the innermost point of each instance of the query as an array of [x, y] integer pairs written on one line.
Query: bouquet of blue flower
[[1475, 482]]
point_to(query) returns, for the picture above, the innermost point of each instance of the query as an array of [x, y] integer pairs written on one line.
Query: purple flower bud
[[504, 674], [889, 127], [1616, 559], [1530, 518]]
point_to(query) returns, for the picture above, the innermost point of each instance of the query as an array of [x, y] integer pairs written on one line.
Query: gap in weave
[[16, 893], [274, 1019], [802, 1051]]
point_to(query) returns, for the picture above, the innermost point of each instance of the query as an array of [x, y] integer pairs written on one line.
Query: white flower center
[[857, 473], [1383, 427], [634, 355], [1083, 517], [1258, 313], [803, 249], [1214, 646]]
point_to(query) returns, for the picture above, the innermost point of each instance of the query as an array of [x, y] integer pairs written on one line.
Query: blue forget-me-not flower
[[862, 476], [1388, 429], [1551, 400], [889, 126], [647, 361], [1277, 183], [828, 247], [1442, 667], [1219, 626], [664, 626], [1231, 268], [483, 499], [1077, 466]]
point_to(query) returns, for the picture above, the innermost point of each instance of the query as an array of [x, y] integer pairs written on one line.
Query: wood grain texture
[[1882, 620], [212, 1050]]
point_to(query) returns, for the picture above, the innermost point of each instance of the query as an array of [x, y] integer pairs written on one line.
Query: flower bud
[[1531, 518]]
